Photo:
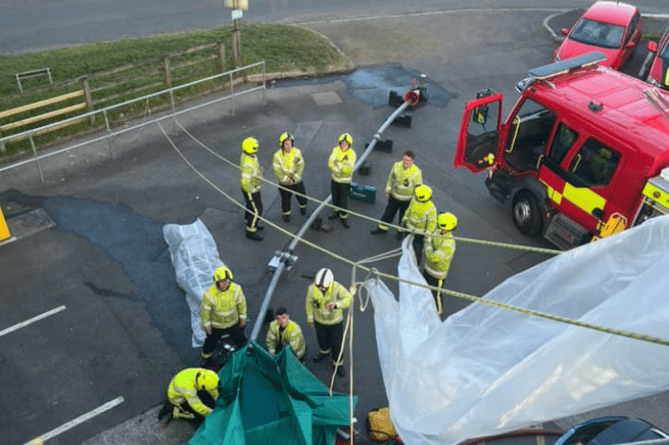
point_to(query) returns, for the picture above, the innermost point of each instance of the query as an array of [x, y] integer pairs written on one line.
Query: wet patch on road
[[373, 85], [137, 244]]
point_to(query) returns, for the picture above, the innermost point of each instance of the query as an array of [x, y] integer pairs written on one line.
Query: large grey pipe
[[291, 247]]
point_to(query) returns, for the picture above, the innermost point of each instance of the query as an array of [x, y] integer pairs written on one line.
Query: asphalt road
[[124, 330]]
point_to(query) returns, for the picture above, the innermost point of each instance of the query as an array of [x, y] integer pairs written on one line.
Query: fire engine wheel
[[525, 213]]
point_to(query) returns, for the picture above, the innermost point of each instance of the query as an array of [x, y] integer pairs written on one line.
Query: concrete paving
[[96, 246]]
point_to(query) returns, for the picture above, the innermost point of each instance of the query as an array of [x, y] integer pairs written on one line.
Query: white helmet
[[324, 279]]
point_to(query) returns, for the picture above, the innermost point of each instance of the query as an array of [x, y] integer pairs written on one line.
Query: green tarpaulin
[[267, 401]]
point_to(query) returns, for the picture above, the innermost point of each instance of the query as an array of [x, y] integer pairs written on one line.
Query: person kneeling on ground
[[191, 394], [284, 332]]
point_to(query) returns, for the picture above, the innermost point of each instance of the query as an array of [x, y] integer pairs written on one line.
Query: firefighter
[[341, 163], [223, 311], [284, 332], [404, 177], [191, 394], [438, 253], [288, 166], [326, 300], [251, 181], [420, 215]]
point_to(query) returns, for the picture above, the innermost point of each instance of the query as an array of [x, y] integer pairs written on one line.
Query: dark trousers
[[206, 399], [418, 247], [286, 196], [329, 339], [394, 206], [237, 338], [340, 193], [253, 210], [432, 281]]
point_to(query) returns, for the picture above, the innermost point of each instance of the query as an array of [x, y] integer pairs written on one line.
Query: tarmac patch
[[27, 223], [327, 98]]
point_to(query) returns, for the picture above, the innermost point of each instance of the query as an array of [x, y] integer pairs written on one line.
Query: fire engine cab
[[581, 154]]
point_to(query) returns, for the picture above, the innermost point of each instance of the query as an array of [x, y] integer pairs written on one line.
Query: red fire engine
[[581, 154]]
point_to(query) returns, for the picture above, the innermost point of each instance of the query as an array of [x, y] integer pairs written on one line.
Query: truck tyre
[[525, 213]]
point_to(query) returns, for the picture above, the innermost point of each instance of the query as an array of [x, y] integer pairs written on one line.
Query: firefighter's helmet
[[284, 137], [324, 278], [250, 146], [447, 221], [222, 273], [423, 193], [206, 380], [345, 137]]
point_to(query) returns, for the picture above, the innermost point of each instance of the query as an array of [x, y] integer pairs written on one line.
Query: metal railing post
[[232, 99], [264, 84], [39, 167], [174, 117], [109, 134]]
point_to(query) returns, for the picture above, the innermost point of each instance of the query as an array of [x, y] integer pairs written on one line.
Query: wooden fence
[[99, 90]]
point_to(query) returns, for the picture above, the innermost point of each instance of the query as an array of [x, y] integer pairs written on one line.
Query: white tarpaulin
[[195, 258], [484, 370]]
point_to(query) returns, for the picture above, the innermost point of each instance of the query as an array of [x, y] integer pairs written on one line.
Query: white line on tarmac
[[79, 420], [32, 320]]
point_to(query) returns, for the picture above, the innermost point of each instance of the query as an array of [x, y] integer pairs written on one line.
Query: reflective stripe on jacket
[[291, 336], [182, 389], [221, 310], [341, 164], [251, 179], [317, 301], [402, 181], [288, 167], [420, 216], [438, 253]]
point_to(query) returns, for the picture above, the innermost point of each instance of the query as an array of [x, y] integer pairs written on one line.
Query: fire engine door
[[577, 174], [478, 143]]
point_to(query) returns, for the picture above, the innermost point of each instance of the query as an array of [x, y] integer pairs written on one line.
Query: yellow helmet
[[284, 137], [447, 221], [250, 146], [206, 380], [222, 273], [346, 137], [423, 193]]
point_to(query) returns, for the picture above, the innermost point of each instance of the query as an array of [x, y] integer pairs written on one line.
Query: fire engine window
[[564, 139], [595, 163], [528, 135]]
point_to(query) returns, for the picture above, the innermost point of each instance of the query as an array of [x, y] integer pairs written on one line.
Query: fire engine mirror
[[480, 114], [598, 213]]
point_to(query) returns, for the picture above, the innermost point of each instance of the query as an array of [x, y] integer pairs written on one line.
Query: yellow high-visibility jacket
[[291, 336], [402, 181], [341, 164], [182, 389], [251, 179], [420, 216], [288, 167], [438, 253], [317, 301], [221, 310]]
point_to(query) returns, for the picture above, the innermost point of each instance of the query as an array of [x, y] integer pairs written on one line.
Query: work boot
[[165, 410], [341, 372], [259, 227], [303, 210], [378, 231], [286, 218], [255, 236], [345, 223], [318, 357]]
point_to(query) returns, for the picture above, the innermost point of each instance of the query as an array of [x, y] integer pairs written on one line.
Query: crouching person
[[284, 332], [192, 394]]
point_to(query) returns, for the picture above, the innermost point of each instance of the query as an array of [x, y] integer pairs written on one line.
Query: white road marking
[[79, 420], [32, 320]]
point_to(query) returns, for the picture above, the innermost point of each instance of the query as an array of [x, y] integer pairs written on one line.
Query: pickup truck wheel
[[525, 213]]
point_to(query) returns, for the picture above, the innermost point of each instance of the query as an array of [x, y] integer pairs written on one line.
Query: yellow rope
[[374, 220], [471, 298]]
